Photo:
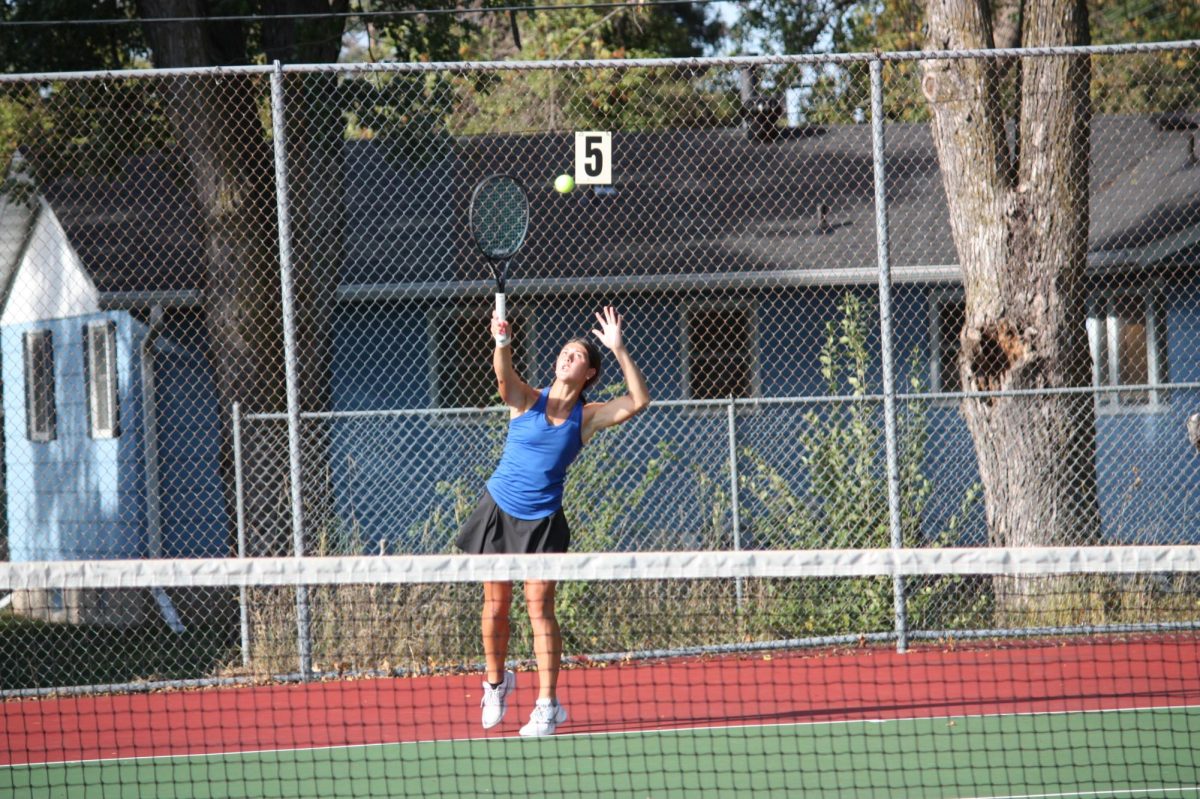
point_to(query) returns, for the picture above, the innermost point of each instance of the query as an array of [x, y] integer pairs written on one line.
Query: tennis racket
[[499, 221]]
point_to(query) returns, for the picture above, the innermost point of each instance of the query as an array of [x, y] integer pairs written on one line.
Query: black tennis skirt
[[491, 531]]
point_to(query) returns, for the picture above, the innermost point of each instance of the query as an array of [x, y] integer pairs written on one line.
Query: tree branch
[[589, 28]]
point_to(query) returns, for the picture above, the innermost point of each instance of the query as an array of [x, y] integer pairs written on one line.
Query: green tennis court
[[1139, 753], [1106, 716]]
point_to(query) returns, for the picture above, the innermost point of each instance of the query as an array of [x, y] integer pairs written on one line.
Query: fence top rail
[[627, 63]]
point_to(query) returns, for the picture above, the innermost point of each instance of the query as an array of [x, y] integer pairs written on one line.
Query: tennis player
[[521, 509]]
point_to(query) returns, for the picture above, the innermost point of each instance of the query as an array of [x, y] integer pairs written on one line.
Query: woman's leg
[[497, 598], [547, 640]]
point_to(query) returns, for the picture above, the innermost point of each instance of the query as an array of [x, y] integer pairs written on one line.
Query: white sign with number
[[593, 158]]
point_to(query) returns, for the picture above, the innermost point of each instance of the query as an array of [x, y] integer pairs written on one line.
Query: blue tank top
[[528, 482]]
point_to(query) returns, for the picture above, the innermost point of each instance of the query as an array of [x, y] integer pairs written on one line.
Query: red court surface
[[795, 687]]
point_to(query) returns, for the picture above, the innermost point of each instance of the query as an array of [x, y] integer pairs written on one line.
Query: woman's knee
[[539, 599], [497, 599]]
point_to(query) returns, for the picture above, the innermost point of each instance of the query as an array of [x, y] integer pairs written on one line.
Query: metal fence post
[[279, 129], [886, 344], [243, 592], [733, 491]]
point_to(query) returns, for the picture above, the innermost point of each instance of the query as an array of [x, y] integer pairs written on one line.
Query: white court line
[[1125, 792], [612, 733]]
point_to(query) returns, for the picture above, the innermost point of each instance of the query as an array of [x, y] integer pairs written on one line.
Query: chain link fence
[[243, 316]]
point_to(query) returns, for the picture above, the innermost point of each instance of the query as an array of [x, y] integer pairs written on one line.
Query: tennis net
[[958, 672]]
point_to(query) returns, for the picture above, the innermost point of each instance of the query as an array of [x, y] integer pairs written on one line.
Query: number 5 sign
[[593, 158]]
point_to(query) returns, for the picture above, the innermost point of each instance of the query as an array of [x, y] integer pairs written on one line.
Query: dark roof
[[135, 231], [697, 201], [694, 201]]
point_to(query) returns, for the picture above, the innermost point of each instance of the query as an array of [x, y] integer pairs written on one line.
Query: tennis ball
[[564, 184]]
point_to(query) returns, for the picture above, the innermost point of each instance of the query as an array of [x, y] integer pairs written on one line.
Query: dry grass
[[424, 628]]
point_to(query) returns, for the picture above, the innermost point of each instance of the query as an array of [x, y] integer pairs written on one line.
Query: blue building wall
[[384, 361], [194, 521], [397, 479], [74, 497]]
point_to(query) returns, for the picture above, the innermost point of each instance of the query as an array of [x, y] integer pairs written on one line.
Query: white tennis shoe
[[546, 716], [495, 700]]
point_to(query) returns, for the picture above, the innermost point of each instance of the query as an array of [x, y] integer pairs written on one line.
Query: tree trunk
[[219, 128], [1019, 217]]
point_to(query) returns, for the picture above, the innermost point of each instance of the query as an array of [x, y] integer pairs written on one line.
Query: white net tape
[[421, 569]]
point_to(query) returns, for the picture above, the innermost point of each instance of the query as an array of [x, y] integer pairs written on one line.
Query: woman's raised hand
[[610, 328]]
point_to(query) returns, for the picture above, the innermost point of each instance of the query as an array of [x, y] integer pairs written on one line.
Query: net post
[[240, 506], [733, 490], [886, 343], [279, 130]]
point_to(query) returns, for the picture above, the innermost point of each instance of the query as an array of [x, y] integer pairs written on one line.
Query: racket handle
[[501, 314]]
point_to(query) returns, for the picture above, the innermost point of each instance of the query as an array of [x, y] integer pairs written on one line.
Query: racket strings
[[499, 218]]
